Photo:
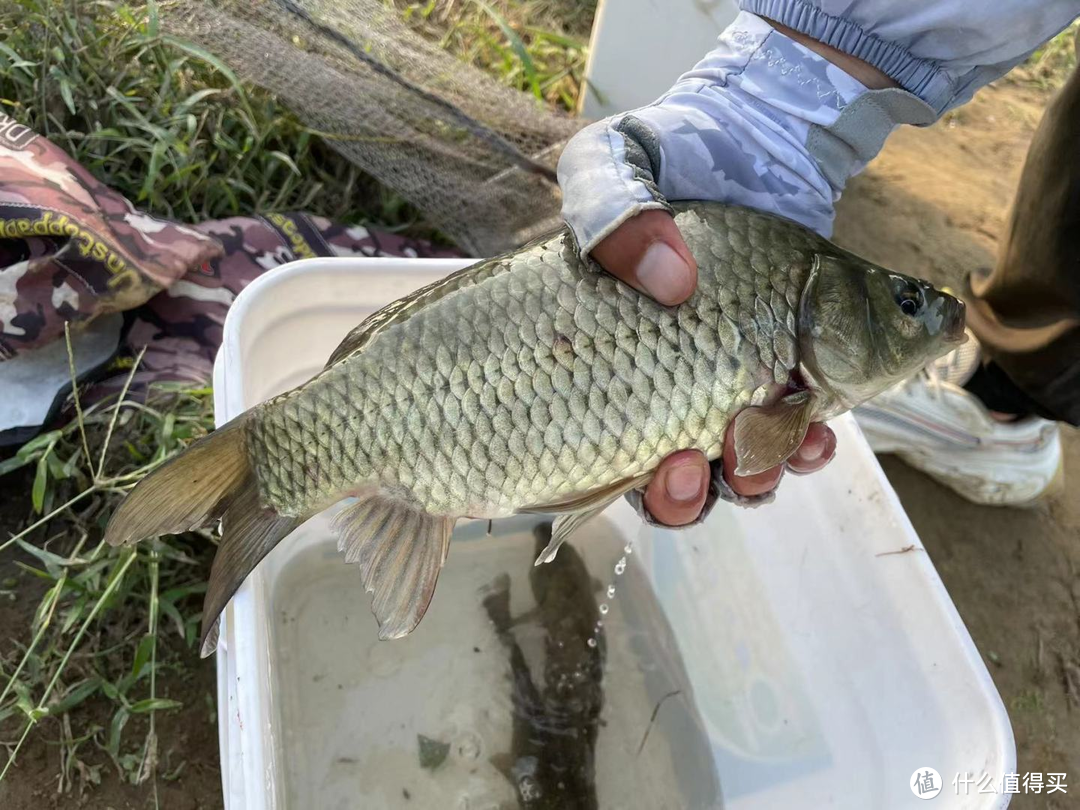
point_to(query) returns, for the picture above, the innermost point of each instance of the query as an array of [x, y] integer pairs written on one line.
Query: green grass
[[164, 122], [536, 46], [98, 626], [169, 127], [1052, 64]]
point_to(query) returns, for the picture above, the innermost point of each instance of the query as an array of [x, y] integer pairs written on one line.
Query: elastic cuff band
[[859, 133], [919, 76]]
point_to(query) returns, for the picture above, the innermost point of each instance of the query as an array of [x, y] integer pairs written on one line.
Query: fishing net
[[477, 158]]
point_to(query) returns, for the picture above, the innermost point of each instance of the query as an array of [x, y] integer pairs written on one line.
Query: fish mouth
[[956, 317]]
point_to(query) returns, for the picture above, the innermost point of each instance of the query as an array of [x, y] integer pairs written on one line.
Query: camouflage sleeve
[[764, 122], [940, 50], [735, 128]]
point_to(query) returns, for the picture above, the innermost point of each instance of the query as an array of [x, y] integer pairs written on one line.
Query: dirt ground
[[187, 738], [931, 205]]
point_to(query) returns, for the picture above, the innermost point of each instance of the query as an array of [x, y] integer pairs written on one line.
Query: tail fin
[[211, 479], [189, 492], [249, 531]]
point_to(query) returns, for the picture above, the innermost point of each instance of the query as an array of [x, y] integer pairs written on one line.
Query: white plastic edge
[[247, 748]]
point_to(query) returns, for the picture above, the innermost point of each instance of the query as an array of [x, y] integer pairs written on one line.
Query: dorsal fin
[[403, 308]]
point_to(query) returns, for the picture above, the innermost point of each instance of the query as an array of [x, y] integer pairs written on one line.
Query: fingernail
[[663, 273], [829, 450], [683, 483], [811, 452]]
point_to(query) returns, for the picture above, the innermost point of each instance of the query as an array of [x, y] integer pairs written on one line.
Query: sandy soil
[[932, 205]]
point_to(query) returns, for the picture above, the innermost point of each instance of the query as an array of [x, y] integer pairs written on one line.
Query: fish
[[536, 383], [552, 757]]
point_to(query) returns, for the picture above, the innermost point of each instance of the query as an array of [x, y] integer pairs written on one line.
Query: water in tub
[[559, 686]]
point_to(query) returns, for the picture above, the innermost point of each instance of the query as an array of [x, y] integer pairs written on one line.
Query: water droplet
[[529, 788], [468, 746], [629, 548], [591, 642], [620, 566], [604, 608], [611, 591]]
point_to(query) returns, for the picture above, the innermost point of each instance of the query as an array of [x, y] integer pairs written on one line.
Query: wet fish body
[[534, 382]]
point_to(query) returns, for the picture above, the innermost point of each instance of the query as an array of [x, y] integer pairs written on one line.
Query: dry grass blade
[[164, 122], [107, 581]]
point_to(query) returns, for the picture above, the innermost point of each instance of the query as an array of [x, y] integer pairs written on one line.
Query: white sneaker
[[936, 426]]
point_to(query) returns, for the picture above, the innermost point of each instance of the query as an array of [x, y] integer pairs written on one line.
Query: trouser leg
[[1026, 312]]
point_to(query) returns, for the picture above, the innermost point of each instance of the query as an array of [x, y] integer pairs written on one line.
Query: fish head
[[863, 328]]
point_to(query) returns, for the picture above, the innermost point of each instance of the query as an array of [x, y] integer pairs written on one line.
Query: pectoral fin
[[768, 435], [574, 512], [401, 550]]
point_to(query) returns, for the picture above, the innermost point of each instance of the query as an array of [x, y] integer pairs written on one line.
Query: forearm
[[777, 119], [940, 50], [742, 126], [858, 69]]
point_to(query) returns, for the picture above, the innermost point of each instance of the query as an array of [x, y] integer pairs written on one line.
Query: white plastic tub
[[816, 666], [640, 47]]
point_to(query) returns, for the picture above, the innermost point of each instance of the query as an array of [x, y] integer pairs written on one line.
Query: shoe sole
[[965, 480], [973, 489]]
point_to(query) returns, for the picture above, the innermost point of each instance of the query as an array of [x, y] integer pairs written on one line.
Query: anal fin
[[401, 550], [575, 512]]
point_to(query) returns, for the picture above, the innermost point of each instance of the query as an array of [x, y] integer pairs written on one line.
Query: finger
[[817, 450], [747, 485], [677, 493], [648, 253]]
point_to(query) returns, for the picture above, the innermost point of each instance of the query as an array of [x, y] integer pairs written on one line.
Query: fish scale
[[551, 379], [536, 382]]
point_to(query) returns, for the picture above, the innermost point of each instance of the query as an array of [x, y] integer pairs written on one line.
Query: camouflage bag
[[181, 328], [71, 248]]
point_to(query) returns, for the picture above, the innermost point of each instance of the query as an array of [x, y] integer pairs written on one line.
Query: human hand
[[704, 140], [648, 253]]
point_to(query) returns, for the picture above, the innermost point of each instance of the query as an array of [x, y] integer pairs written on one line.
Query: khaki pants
[[1026, 312]]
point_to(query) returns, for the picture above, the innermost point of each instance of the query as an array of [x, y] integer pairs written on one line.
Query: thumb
[[649, 254]]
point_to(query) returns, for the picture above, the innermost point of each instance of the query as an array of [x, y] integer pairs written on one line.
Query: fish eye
[[910, 300]]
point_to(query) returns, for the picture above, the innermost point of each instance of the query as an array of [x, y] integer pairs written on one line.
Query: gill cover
[[863, 328]]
